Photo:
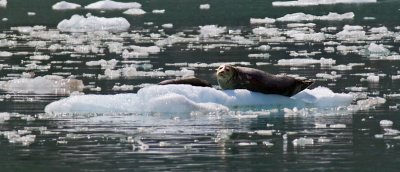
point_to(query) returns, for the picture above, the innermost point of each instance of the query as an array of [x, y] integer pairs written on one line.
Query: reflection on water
[[357, 55]]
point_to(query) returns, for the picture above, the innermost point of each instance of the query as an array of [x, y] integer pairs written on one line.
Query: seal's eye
[[227, 69]]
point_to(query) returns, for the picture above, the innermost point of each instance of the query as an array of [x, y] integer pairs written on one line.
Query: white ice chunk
[[78, 23], [156, 11], [48, 84], [266, 31], [63, 5], [135, 12], [5, 54], [318, 2], [303, 141], [3, 3], [167, 25], [112, 5], [211, 30], [296, 17], [265, 20], [386, 123], [304, 62], [204, 6], [186, 98]]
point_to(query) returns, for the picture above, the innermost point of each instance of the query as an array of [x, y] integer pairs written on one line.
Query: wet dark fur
[[188, 81], [263, 82]]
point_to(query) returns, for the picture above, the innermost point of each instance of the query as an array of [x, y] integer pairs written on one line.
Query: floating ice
[[65, 6], [266, 31], [318, 2], [78, 23], [185, 98], [135, 12], [265, 20], [156, 11], [303, 62], [386, 123], [167, 25], [296, 17], [5, 54], [112, 5], [303, 141], [3, 3], [49, 84], [211, 30], [204, 6]]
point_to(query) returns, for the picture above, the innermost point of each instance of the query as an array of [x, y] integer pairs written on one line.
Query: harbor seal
[[188, 81], [235, 77]]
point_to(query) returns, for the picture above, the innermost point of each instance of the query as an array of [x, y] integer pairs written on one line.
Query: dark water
[[183, 142]]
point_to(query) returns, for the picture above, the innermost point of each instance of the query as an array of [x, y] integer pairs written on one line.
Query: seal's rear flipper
[[301, 85], [188, 81]]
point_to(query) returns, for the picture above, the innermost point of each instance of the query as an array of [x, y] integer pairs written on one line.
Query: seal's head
[[225, 73]]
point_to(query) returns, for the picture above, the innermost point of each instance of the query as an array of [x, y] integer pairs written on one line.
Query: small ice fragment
[[134, 12], [65, 6], [4, 19], [303, 141], [319, 125], [267, 143], [167, 26], [265, 20], [247, 144], [211, 30], [204, 6], [156, 11], [337, 126], [4, 116], [112, 5], [5, 54], [265, 132], [323, 140], [31, 13], [3, 3], [386, 123]]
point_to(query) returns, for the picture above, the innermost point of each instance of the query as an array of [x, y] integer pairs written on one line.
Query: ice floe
[[318, 2], [204, 6], [78, 23], [185, 98], [303, 62], [49, 84], [63, 5], [3, 3], [265, 20], [211, 30], [134, 12], [296, 17], [112, 5]]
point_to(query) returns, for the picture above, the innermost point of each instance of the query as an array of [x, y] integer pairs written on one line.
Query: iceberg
[[112, 5], [78, 23], [186, 98], [65, 6]]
